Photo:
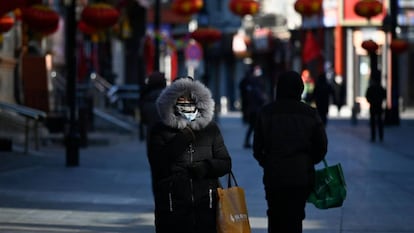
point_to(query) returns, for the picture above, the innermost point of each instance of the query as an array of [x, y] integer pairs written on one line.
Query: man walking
[[289, 140]]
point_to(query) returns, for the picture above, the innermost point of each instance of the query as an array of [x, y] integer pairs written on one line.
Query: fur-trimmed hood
[[201, 95]]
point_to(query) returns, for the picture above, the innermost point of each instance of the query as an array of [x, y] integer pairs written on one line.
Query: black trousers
[[376, 122], [286, 209]]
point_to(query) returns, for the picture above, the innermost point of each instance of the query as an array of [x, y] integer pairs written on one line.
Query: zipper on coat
[[170, 198], [170, 201], [191, 152], [210, 195]]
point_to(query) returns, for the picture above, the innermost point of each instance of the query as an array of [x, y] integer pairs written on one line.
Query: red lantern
[[308, 8], [86, 29], [206, 35], [100, 15], [41, 19], [399, 45], [244, 7], [6, 23], [370, 45], [368, 8], [186, 7]]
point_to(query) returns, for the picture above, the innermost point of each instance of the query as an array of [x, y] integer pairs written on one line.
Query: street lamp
[[392, 114], [72, 137]]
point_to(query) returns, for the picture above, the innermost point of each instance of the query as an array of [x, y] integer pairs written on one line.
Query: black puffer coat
[[289, 138], [186, 160]]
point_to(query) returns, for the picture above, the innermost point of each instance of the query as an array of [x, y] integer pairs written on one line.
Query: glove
[[198, 170]]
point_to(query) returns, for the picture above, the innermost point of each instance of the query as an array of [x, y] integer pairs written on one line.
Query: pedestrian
[[339, 93], [309, 85], [254, 98], [244, 83], [375, 95], [187, 155], [322, 94], [155, 83], [289, 140]]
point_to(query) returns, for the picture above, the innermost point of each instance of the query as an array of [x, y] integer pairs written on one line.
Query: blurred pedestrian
[[155, 83], [309, 85], [254, 97], [376, 94], [322, 94], [244, 83], [187, 155], [339, 93], [289, 140]]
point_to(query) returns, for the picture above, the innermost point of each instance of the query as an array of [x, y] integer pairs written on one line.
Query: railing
[[29, 114], [117, 95], [96, 96]]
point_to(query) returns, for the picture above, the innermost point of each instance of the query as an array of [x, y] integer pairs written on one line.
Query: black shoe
[[247, 145]]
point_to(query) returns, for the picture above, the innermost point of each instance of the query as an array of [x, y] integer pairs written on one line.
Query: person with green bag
[[289, 140]]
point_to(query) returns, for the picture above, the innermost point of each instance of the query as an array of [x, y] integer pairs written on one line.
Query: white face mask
[[190, 116]]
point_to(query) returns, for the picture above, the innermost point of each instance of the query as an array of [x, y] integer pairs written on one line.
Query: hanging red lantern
[[368, 8], [370, 45], [308, 8], [186, 7], [206, 35], [41, 19], [100, 15], [399, 45], [6, 23], [86, 29], [244, 7]]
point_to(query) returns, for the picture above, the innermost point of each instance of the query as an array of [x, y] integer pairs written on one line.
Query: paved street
[[110, 191]]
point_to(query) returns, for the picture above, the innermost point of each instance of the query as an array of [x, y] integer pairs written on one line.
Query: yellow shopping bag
[[232, 216]]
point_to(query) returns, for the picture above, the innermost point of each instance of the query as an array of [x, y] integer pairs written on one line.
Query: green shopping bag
[[330, 187]]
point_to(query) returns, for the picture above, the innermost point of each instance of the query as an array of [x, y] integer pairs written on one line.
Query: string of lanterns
[[372, 8]]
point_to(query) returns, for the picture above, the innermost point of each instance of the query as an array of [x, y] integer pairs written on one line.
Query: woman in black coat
[[187, 156]]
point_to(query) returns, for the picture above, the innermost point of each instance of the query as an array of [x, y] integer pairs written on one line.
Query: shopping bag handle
[[231, 177], [325, 163], [327, 170]]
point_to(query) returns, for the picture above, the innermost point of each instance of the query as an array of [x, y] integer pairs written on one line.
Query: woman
[[321, 95], [187, 155]]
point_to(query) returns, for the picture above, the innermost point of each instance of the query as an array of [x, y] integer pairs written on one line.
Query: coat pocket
[[163, 195]]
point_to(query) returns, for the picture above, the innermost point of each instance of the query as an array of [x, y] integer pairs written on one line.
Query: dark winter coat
[[289, 138], [376, 95], [186, 160], [253, 96], [322, 94], [149, 94]]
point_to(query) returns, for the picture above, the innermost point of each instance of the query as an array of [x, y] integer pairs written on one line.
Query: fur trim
[[198, 91]]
